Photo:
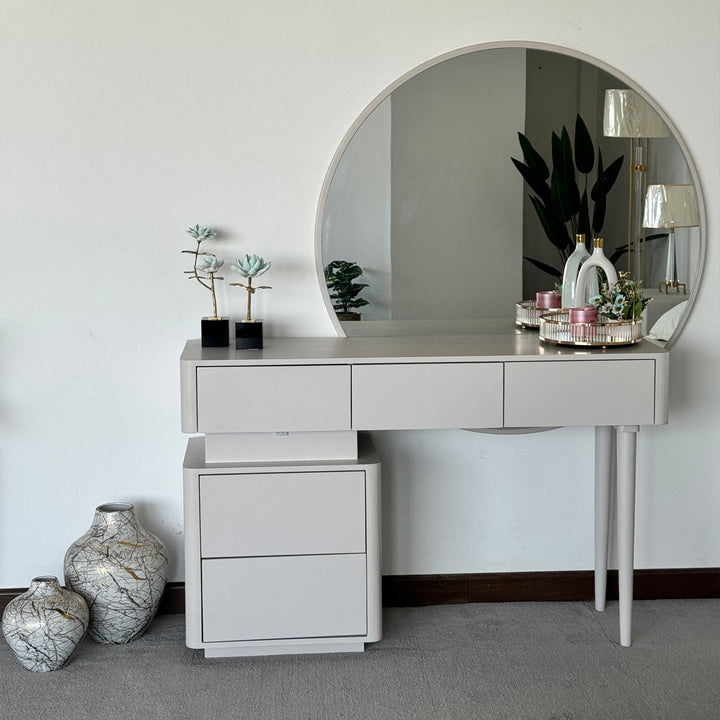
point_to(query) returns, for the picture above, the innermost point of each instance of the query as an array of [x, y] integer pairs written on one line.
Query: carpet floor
[[515, 661]]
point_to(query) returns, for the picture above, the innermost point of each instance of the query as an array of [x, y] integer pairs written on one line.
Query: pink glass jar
[[587, 314], [581, 319], [547, 299]]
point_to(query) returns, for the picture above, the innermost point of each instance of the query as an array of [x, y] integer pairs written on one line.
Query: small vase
[[45, 624], [587, 285], [120, 569], [571, 270]]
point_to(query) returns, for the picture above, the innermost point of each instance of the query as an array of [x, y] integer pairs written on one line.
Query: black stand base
[[249, 335], [215, 332]]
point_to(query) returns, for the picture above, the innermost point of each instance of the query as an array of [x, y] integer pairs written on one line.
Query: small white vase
[[45, 624], [587, 285], [120, 569], [571, 270]]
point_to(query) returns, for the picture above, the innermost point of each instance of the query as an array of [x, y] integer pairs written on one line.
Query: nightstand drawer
[[298, 513], [273, 398], [587, 392], [284, 597], [427, 395]]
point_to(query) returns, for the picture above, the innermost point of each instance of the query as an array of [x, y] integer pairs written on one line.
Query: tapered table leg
[[626, 462], [603, 473]]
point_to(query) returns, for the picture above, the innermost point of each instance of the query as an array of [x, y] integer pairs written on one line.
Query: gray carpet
[[534, 661]]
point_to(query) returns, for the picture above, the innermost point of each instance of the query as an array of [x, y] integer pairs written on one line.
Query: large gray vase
[[45, 624], [120, 569]]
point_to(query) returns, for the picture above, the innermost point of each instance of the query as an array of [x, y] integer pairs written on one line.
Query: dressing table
[[282, 485], [282, 510]]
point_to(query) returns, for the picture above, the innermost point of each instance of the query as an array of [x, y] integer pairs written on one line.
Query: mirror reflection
[[426, 201]]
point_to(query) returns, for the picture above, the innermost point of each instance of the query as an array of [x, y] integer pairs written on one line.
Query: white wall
[[124, 123]]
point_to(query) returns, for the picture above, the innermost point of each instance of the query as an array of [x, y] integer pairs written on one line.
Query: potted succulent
[[214, 329], [340, 277], [249, 332]]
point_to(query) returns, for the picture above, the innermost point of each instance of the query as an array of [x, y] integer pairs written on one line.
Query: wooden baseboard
[[416, 590]]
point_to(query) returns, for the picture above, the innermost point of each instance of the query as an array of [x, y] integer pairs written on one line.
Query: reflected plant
[[251, 266], [205, 264]]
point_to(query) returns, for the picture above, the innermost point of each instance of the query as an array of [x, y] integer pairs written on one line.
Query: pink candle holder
[[581, 320], [548, 299]]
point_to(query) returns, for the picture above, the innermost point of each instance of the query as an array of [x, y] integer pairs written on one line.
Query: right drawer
[[298, 513], [586, 392]]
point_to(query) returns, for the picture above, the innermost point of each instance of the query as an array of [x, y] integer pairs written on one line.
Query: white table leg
[[626, 461], [603, 474]]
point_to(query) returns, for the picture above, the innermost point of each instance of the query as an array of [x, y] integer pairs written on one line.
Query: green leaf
[[534, 180], [584, 148], [533, 159], [599, 194], [549, 269], [583, 224]]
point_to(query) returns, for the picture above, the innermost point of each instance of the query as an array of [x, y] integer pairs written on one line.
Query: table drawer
[[284, 597], [273, 398], [586, 392], [427, 395], [298, 513]]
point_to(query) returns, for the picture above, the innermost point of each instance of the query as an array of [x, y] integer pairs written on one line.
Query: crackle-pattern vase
[[120, 569], [45, 624]]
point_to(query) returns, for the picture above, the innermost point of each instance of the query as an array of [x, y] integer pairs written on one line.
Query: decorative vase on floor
[[120, 569], [45, 624]]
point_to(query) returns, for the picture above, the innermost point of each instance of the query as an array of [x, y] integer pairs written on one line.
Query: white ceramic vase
[[120, 569], [587, 284], [45, 624]]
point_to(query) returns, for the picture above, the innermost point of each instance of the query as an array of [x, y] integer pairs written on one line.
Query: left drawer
[[298, 513], [273, 399]]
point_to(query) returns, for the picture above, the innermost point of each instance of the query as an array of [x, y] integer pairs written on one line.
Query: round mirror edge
[[526, 44]]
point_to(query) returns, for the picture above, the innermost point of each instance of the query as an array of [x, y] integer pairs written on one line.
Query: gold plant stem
[[214, 299], [250, 291]]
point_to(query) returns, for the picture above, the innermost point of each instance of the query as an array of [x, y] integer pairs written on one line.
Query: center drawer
[[298, 513], [401, 396]]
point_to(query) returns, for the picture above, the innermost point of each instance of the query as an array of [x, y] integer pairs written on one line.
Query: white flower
[[251, 266], [201, 232], [209, 264]]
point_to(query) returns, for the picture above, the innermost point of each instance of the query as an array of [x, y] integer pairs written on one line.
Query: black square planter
[[249, 335], [215, 332]]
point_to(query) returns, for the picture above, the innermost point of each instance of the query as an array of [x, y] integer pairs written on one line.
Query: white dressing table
[[286, 417]]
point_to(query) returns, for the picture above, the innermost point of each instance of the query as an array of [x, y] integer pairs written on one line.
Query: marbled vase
[[45, 624], [120, 569]]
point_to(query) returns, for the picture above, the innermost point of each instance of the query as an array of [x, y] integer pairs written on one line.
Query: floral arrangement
[[623, 300], [205, 264], [251, 266]]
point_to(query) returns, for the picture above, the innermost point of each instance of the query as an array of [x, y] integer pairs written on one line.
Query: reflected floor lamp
[[627, 114], [670, 207]]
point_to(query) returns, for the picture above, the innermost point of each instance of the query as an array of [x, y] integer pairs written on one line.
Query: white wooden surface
[[580, 392], [398, 396], [284, 597], [290, 513], [273, 399]]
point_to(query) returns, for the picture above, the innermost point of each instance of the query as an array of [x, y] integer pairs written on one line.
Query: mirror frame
[[530, 45]]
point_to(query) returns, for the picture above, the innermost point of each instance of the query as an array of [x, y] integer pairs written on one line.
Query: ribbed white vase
[[120, 569]]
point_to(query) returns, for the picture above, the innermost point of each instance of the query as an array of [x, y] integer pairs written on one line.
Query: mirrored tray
[[555, 327]]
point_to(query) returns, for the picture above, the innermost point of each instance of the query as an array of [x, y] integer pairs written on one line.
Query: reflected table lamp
[[627, 114], [670, 207]]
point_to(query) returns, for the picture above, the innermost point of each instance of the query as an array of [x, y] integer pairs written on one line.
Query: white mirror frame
[[490, 46]]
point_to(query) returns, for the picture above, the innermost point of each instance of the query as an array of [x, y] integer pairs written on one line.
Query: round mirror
[[426, 223]]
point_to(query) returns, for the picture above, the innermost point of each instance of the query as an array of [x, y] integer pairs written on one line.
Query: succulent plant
[[204, 262], [250, 266]]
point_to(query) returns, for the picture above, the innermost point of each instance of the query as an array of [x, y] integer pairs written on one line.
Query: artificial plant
[[561, 203], [340, 276]]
